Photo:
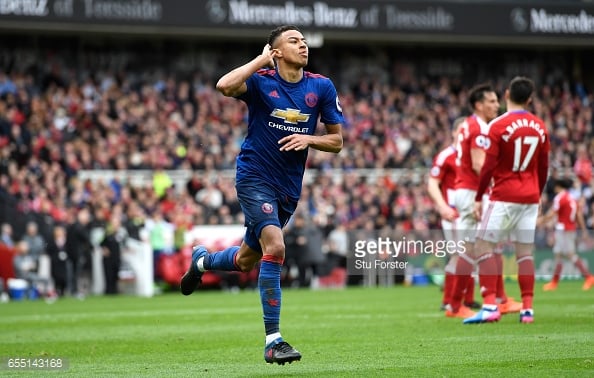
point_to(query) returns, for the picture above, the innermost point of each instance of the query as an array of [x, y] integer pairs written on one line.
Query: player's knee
[[276, 249]]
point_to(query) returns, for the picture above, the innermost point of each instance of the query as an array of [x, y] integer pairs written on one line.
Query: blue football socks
[[223, 260], [270, 294]]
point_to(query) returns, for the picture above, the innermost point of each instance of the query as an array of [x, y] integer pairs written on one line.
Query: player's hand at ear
[[270, 53], [294, 142]]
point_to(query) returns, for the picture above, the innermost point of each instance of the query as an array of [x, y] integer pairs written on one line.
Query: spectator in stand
[[26, 267], [24, 264], [296, 247], [161, 182], [304, 246], [194, 184], [583, 167], [35, 242], [112, 246], [135, 219], [6, 84], [210, 195], [79, 250], [161, 236], [56, 249], [7, 237], [338, 247]]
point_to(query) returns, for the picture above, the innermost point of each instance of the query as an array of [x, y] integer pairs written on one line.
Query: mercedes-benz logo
[[216, 11], [519, 20]]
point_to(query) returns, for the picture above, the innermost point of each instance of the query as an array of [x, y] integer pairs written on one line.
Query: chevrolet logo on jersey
[[290, 115]]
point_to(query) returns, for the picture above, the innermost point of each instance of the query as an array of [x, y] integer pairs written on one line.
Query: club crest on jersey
[[483, 141], [267, 208], [291, 116], [311, 99]]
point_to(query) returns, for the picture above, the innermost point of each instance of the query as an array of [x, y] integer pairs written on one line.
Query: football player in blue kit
[[285, 104]]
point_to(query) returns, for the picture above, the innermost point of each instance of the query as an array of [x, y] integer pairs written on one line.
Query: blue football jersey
[[278, 108]]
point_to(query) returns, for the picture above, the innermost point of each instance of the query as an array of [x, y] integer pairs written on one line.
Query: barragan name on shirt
[[523, 122]]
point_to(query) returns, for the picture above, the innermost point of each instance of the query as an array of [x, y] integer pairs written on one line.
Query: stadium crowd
[[57, 119]]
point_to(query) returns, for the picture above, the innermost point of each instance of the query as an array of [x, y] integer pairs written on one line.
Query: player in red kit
[[440, 187], [517, 162], [472, 142], [568, 216]]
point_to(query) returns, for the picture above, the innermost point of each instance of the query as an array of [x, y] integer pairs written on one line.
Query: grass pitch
[[356, 332]]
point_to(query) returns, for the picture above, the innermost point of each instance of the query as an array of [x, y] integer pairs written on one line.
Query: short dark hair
[[477, 93], [274, 34], [565, 183], [520, 89]]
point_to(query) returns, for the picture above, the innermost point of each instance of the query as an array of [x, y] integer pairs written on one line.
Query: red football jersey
[[566, 208], [444, 170], [474, 133], [520, 143]]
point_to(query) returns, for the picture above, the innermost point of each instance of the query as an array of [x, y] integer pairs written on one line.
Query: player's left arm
[[330, 116], [329, 142], [477, 157], [543, 165]]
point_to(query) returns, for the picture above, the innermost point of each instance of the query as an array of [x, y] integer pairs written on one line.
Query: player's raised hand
[[270, 53]]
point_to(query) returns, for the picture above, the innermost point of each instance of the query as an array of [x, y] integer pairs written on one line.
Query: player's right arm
[[434, 190], [232, 84]]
